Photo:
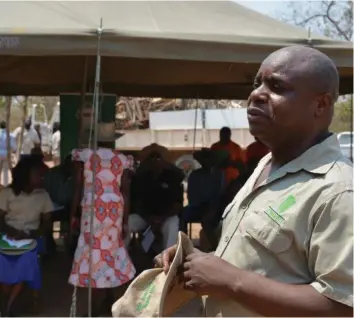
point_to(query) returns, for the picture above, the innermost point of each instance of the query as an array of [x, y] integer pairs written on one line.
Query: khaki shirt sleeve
[[331, 249]]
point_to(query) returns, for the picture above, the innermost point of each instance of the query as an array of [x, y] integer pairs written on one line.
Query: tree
[[342, 116], [335, 20], [330, 18]]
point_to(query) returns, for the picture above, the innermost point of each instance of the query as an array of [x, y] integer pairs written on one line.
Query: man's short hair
[[3, 124], [225, 130]]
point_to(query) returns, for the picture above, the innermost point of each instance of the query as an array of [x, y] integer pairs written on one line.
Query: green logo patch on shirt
[[286, 204], [276, 215]]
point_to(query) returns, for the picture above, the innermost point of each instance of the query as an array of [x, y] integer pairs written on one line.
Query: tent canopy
[[170, 48]]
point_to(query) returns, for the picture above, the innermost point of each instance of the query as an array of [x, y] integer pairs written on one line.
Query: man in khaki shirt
[[287, 239]]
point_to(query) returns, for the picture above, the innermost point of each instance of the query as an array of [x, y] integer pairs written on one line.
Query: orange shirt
[[236, 153], [256, 150]]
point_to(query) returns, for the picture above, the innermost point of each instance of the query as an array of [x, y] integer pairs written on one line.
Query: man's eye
[[256, 85], [277, 86]]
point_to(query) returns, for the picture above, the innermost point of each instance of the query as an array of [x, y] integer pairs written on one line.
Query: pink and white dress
[[111, 264]]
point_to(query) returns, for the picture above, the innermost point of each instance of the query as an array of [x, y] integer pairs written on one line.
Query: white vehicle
[[345, 140]]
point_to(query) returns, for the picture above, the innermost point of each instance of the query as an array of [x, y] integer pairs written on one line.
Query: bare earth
[[56, 293]]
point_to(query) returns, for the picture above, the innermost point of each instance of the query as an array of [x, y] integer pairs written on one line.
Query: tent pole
[[94, 126], [20, 140], [351, 128], [8, 141], [83, 99]]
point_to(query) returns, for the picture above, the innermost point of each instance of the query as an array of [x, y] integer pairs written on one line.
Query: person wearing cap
[[205, 187], [287, 240], [158, 196]]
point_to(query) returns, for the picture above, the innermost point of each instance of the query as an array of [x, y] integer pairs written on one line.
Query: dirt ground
[[56, 293]]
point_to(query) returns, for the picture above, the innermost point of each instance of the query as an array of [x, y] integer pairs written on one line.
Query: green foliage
[[330, 18], [342, 119]]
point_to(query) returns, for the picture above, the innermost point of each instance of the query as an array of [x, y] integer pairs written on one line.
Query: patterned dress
[[111, 264]]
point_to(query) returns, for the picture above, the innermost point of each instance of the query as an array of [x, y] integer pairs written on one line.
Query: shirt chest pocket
[[261, 244], [262, 231]]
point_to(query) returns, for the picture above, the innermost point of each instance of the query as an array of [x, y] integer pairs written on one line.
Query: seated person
[[157, 199], [205, 187], [59, 183], [24, 214]]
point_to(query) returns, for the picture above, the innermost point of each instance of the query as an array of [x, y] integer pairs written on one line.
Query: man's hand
[[165, 259], [207, 274]]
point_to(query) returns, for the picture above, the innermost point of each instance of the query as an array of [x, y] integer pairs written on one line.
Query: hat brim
[[154, 148]]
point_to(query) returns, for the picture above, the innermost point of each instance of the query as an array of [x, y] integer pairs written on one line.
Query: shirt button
[[227, 239]]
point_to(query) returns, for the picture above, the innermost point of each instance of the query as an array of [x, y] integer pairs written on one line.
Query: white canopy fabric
[[150, 48]]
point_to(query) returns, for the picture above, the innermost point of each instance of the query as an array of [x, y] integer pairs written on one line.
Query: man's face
[[282, 105], [225, 135], [155, 162]]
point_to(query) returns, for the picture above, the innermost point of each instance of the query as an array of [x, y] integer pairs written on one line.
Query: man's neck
[[283, 155]]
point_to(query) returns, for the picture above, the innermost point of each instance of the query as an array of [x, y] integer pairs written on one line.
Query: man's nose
[[258, 95]]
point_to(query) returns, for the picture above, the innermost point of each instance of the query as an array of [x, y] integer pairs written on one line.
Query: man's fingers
[[166, 261], [188, 284], [191, 256]]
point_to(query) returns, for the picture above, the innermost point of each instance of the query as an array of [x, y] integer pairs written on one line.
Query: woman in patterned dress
[[111, 264]]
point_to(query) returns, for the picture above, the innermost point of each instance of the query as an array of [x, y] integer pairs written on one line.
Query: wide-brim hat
[[154, 149], [203, 154], [156, 294], [215, 157]]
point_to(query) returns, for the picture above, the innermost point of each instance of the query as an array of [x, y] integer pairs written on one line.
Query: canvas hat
[[154, 149], [156, 294]]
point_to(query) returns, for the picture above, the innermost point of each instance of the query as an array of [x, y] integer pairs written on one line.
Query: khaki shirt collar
[[318, 159]]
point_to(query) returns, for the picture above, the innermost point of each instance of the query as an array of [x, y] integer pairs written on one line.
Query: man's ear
[[324, 104]]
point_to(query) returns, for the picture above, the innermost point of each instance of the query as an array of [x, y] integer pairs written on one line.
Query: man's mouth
[[256, 112]]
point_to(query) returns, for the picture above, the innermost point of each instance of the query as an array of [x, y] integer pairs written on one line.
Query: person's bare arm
[[330, 258], [79, 181], [274, 299], [125, 189], [45, 226], [7, 229]]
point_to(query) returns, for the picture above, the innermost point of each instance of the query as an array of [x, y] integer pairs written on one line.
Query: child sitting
[[22, 206]]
